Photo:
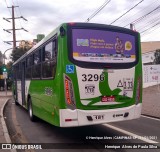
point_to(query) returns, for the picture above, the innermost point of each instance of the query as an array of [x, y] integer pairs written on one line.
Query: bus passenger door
[[23, 82]]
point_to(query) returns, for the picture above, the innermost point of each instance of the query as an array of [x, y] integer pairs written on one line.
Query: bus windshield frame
[[105, 28]]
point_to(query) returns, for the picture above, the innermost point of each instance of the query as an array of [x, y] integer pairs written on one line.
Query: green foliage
[[157, 57], [17, 53], [1, 58], [9, 69]]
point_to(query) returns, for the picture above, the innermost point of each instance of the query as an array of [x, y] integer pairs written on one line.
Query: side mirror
[[62, 31]]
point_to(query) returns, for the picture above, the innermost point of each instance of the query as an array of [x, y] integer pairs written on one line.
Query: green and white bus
[[81, 74]]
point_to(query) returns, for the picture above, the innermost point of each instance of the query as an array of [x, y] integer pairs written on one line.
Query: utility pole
[[13, 27]]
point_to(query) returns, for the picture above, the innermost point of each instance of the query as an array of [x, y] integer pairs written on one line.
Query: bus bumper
[[77, 117]]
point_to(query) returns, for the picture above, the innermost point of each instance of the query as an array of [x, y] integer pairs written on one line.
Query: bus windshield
[[102, 46]]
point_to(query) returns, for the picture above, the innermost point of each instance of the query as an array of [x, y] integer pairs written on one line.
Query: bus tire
[[30, 110], [16, 103], [15, 98]]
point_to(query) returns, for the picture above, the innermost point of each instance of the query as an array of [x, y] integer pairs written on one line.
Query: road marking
[[131, 134], [150, 117]]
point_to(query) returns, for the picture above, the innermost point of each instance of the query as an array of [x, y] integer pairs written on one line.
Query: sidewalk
[[151, 101], [4, 136]]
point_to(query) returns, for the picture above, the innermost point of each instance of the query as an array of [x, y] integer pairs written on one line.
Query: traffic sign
[[5, 75]]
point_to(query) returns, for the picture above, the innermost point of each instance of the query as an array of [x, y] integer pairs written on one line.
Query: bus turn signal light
[[68, 120], [69, 93]]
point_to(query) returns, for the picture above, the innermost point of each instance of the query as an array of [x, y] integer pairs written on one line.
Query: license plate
[[108, 99]]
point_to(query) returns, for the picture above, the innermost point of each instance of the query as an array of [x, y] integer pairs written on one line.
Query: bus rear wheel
[[16, 102], [30, 111], [15, 98]]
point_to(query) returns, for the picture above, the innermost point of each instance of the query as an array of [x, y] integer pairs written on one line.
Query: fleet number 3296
[[92, 77]]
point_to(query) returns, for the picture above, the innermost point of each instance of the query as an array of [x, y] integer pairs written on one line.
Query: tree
[[17, 53], [10, 75], [1, 58], [157, 57], [9, 68]]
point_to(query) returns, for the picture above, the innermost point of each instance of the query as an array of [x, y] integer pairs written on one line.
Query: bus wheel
[[16, 103], [30, 111], [15, 98]]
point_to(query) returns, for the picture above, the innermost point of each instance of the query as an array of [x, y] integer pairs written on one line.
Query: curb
[[5, 130]]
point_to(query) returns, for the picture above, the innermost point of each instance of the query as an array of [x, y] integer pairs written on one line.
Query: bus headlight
[[69, 93]]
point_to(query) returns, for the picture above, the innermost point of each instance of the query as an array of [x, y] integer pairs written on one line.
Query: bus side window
[[17, 72], [54, 49], [49, 59], [48, 51], [36, 70], [28, 68]]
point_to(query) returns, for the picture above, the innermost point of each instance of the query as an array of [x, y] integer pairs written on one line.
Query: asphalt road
[[87, 138]]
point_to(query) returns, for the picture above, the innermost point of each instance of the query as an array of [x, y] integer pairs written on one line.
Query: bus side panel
[[47, 94]]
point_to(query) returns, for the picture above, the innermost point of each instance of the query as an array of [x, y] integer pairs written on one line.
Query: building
[[150, 46], [148, 50], [150, 71]]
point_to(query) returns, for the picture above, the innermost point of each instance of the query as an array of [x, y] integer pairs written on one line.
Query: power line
[[1, 25], [153, 30], [151, 24], [7, 7], [18, 20], [20, 11], [19, 8], [133, 16], [150, 21], [136, 13], [13, 2], [13, 26], [142, 17], [150, 27], [97, 11], [127, 12]]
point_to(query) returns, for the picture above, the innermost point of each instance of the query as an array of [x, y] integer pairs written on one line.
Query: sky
[[44, 16]]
